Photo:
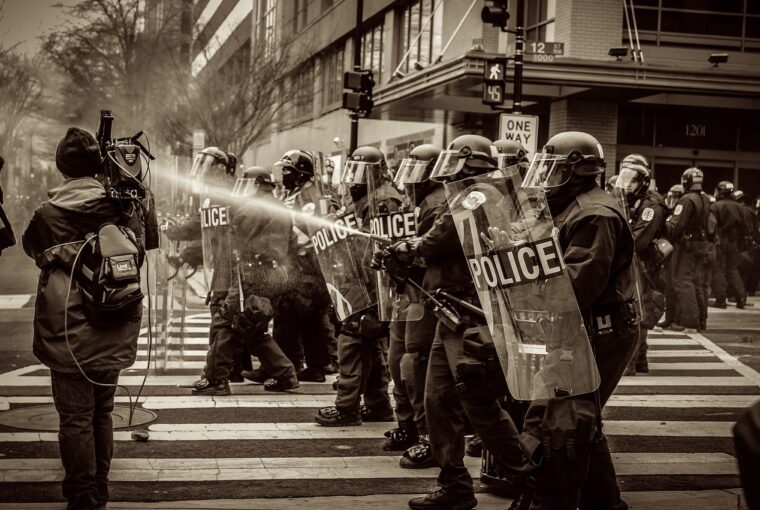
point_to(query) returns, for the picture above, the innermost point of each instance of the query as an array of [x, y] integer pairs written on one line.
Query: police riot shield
[[211, 186], [341, 250], [260, 229], [396, 301], [513, 254]]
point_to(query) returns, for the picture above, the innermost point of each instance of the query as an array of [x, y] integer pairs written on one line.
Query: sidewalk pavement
[[729, 499]]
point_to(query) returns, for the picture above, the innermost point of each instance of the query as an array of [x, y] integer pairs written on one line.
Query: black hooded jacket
[[53, 238]]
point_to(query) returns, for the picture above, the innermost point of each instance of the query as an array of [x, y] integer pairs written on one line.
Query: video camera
[[122, 166]]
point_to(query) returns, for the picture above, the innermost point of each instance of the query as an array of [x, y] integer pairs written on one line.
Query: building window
[[412, 19], [304, 96], [710, 23], [300, 13], [540, 23], [266, 25], [372, 50], [332, 76]]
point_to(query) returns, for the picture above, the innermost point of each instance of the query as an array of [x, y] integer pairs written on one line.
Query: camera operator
[[7, 239], [84, 355]]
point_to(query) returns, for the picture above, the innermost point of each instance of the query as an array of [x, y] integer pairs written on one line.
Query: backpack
[[108, 276]]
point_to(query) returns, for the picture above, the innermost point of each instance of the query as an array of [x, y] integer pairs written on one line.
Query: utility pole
[[518, 58], [357, 66]]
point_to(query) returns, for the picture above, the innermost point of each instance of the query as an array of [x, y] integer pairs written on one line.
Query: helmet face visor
[[245, 187], [547, 171], [628, 181], [449, 163], [203, 173], [359, 172], [411, 171]]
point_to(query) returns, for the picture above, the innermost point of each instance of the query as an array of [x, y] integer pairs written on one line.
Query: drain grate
[[45, 417]]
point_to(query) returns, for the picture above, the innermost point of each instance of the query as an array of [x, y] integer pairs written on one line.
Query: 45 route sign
[[494, 76]]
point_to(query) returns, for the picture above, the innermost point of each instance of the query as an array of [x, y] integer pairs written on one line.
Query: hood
[[77, 194]]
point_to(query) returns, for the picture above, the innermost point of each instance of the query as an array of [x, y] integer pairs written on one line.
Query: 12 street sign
[[520, 128], [494, 75], [541, 51]]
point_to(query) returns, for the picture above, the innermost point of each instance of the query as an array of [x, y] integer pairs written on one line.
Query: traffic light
[[496, 13], [359, 99], [494, 81]]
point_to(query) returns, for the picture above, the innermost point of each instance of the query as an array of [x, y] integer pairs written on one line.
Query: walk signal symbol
[[496, 72]]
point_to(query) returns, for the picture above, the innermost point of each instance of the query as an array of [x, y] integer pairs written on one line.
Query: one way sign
[[520, 128]]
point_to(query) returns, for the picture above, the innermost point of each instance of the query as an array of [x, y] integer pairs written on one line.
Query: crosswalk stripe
[[129, 380], [369, 467], [672, 341], [689, 366], [374, 430], [306, 401], [658, 380], [668, 428], [678, 354], [683, 401], [14, 301]]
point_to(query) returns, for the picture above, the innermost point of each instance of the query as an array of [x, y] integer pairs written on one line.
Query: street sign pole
[[354, 140], [518, 58]]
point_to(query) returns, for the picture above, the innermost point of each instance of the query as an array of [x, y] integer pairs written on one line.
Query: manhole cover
[[45, 417]]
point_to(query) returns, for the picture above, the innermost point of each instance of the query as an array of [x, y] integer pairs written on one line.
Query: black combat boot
[[443, 500], [334, 417], [401, 438], [213, 388]]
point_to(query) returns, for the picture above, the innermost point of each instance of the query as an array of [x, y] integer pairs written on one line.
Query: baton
[[383, 241], [461, 302], [440, 309]]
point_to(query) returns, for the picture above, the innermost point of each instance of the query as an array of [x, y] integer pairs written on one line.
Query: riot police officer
[[598, 250], [671, 199], [446, 408], [647, 214], [309, 336], [410, 343], [363, 340], [240, 278], [732, 233], [687, 230]]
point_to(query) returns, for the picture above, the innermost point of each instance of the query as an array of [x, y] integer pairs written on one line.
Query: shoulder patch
[[678, 210], [647, 214]]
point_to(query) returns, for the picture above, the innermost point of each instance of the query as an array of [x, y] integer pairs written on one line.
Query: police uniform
[[687, 230], [363, 342], [306, 339], [598, 249], [647, 222], [446, 408], [260, 274], [410, 343], [731, 234]]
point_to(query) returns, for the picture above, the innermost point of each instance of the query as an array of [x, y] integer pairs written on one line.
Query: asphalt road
[[669, 430]]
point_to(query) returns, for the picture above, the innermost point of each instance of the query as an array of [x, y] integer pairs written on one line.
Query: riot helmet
[[674, 195], [511, 153], [418, 165], [567, 158], [366, 164], [724, 190], [252, 180], [467, 156], [691, 179], [294, 169], [738, 195], [212, 166], [634, 178]]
